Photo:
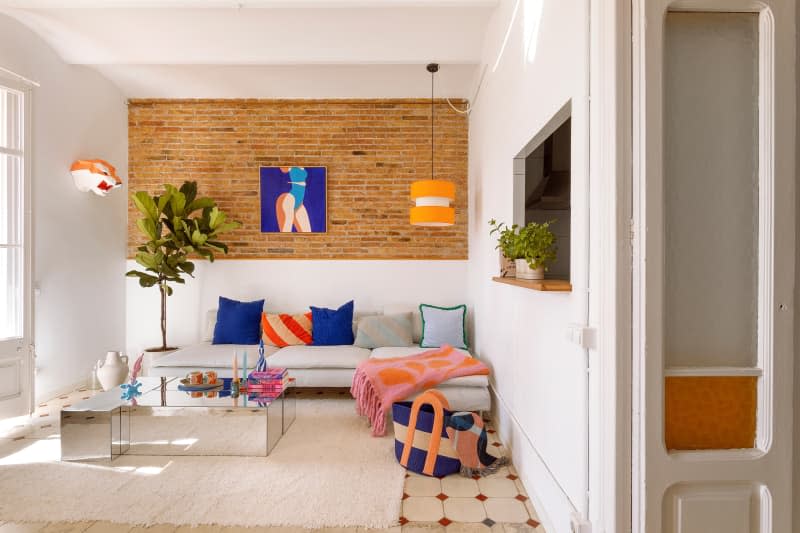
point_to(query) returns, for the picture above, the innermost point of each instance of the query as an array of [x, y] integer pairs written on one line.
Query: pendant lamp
[[432, 198]]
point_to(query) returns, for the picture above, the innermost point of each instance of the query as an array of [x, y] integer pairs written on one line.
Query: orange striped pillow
[[286, 330]]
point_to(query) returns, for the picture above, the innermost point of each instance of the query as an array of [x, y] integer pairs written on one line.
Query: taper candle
[[244, 367], [235, 367]]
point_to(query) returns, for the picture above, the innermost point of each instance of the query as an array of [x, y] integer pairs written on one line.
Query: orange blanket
[[378, 383]]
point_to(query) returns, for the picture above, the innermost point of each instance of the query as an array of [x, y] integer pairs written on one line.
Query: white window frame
[[25, 87]]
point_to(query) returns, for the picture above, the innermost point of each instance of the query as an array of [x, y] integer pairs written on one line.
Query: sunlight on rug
[[327, 471]]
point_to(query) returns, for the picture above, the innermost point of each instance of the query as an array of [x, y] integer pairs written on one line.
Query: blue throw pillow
[[238, 322], [443, 325], [332, 326]]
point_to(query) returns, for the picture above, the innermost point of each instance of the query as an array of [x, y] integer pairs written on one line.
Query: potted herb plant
[[177, 225], [534, 249], [506, 236]]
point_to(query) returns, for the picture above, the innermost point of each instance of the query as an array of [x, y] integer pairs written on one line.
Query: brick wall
[[373, 150]]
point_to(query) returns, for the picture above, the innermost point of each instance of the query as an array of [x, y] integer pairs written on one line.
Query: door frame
[[610, 301], [773, 457], [25, 86]]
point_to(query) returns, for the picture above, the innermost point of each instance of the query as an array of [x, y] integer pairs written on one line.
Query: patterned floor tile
[[531, 510], [423, 486], [498, 487], [521, 528], [464, 510], [460, 487], [422, 509], [506, 510], [420, 527], [465, 527]]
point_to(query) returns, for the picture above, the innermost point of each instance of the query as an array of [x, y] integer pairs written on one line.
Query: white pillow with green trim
[[443, 325], [384, 330]]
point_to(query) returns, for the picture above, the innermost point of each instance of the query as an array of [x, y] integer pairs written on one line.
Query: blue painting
[[294, 200]]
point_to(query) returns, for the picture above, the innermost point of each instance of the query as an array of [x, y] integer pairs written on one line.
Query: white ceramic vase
[[524, 271], [113, 371]]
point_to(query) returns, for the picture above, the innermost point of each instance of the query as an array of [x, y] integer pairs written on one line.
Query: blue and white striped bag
[[421, 443]]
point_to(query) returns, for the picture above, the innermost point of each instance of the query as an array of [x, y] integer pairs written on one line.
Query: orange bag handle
[[439, 402]]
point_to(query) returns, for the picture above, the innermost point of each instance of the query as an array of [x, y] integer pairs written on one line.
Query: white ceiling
[[227, 48], [295, 81]]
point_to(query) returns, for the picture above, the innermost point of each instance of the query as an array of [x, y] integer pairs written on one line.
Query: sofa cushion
[[208, 325], [332, 327], [238, 322], [286, 330], [342, 356], [464, 381], [385, 330], [207, 355], [416, 317], [443, 325]]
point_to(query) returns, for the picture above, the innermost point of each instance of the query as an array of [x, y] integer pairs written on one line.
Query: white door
[[713, 277], [16, 351]]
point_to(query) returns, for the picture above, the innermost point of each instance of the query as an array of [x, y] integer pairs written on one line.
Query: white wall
[[289, 286], [539, 377], [79, 238]]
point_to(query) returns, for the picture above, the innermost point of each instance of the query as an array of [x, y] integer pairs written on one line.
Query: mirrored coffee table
[[167, 421]]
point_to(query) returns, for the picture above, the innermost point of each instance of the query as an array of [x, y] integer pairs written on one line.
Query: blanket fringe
[[368, 402]]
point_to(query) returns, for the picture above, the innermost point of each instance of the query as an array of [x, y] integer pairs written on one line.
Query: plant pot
[[524, 271], [508, 268]]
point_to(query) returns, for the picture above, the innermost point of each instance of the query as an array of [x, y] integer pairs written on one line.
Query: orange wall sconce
[[95, 175]]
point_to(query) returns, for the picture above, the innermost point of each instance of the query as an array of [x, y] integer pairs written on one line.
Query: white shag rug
[[327, 471]]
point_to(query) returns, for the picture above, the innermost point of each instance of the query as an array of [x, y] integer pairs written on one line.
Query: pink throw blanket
[[378, 383]]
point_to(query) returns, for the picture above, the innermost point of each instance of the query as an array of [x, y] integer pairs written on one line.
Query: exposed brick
[[373, 151]]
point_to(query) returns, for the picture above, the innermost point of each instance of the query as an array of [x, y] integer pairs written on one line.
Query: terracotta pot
[[526, 272], [508, 268]]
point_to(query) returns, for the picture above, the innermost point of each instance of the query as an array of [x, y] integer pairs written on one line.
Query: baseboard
[[549, 500], [47, 395]]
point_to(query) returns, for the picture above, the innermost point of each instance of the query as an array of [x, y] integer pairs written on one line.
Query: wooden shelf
[[549, 285]]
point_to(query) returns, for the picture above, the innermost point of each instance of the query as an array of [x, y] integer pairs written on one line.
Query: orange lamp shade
[[433, 216], [433, 189], [432, 203]]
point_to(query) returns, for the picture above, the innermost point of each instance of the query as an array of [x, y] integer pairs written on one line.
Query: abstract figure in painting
[[293, 199], [289, 206]]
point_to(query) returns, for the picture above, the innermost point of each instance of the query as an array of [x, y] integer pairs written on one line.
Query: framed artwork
[[294, 199]]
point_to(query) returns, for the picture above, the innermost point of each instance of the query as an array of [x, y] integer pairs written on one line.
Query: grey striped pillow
[[385, 330]]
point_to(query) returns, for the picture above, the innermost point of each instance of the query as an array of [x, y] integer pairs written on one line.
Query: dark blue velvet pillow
[[332, 326], [238, 322]]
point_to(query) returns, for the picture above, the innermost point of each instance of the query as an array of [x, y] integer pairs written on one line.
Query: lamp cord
[[432, 113]]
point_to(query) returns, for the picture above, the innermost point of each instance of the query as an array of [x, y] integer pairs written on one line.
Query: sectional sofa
[[314, 366]]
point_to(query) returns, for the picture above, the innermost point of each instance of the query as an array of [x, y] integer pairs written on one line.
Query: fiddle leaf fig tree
[[177, 226]]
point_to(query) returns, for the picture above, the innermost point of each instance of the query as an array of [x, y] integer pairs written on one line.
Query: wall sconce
[[95, 175]]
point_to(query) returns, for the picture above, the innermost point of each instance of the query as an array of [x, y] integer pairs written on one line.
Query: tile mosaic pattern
[[454, 504]]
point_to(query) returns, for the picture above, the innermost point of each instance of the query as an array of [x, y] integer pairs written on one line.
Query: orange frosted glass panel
[[710, 413]]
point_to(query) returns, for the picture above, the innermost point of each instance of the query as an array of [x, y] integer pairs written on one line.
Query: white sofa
[[313, 366]]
